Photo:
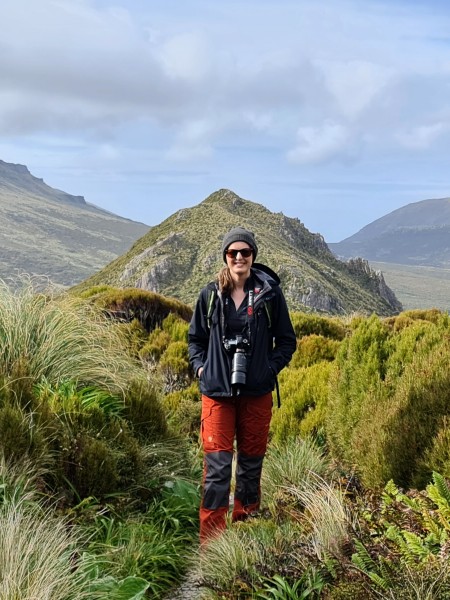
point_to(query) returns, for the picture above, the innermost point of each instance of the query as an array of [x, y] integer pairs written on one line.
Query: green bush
[[387, 398], [307, 324], [405, 318], [355, 388], [95, 471], [144, 411], [174, 366], [149, 308], [20, 434], [304, 401], [157, 343], [437, 456], [135, 336], [184, 409], [176, 327], [312, 349]]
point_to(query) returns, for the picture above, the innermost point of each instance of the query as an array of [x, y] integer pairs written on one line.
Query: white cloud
[[193, 142], [355, 83], [185, 56], [423, 136], [320, 144]]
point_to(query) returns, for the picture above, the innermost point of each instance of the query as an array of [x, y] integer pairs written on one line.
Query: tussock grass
[[37, 550], [242, 557], [18, 481], [60, 337], [36, 556], [292, 464], [328, 519]]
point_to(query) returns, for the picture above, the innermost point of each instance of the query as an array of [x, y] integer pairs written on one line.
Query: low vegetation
[[100, 462]]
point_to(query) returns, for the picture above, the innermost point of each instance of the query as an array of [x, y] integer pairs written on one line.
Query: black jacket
[[271, 349]]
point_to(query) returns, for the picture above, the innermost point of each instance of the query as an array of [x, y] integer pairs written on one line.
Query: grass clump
[[38, 550], [60, 338]]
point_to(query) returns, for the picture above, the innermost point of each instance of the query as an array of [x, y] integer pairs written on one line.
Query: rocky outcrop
[[375, 280]]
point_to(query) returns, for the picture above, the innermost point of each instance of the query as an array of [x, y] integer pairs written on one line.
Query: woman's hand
[[199, 372]]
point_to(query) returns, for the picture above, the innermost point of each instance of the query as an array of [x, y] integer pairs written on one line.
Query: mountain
[[183, 253], [416, 234], [48, 232]]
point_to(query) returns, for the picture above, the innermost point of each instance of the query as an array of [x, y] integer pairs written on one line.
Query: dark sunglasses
[[245, 253]]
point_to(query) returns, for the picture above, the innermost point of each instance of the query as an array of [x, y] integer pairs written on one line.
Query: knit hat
[[239, 234]]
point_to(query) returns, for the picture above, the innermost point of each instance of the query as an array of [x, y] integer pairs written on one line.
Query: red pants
[[246, 418]]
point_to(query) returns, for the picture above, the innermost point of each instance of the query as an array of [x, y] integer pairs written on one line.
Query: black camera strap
[[249, 315]]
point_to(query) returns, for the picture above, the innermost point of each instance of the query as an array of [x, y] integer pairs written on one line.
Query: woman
[[240, 337]]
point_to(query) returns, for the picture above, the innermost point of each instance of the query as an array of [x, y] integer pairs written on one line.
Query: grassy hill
[[183, 253], [48, 232]]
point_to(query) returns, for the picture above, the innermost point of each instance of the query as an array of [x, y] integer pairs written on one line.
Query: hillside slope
[[179, 256], [416, 234], [48, 232]]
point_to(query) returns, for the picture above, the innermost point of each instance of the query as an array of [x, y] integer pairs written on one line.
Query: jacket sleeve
[[285, 341], [198, 334]]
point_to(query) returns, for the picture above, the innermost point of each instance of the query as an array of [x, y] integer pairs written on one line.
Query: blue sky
[[334, 112]]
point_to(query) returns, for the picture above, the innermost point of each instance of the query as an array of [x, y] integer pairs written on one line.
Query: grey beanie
[[239, 234]]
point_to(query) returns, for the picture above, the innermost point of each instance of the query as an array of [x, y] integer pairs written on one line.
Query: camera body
[[239, 346]]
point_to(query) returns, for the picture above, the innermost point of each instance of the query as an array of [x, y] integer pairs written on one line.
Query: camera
[[239, 346]]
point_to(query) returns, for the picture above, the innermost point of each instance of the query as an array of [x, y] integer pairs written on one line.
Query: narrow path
[[189, 589]]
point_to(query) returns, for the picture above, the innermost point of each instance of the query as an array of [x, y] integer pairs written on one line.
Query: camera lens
[[239, 368]]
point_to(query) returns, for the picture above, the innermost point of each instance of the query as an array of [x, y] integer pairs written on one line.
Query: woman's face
[[239, 264]]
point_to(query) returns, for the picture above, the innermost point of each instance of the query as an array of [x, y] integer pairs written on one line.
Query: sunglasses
[[245, 253]]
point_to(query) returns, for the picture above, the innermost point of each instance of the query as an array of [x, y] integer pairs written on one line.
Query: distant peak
[[15, 167], [19, 177]]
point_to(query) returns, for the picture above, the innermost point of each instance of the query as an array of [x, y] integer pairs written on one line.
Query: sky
[[335, 113]]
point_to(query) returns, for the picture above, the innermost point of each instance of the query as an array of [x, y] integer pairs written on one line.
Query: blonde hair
[[225, 281]]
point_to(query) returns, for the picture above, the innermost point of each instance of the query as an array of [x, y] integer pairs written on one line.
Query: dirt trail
[[189, 589]]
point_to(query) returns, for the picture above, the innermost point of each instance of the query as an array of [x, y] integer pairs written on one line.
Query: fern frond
[[415, 546], [390, 492], [362, 559], [434, 528], [379, 581], [442, 487]]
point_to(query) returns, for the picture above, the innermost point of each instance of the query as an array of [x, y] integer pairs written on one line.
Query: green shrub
[[144, 411], [135, 336], [174, 366], [157, 343], [356, 386], [184, 410], [387, 398], [149, 308], [21, 435], [304, 401], [437, 456], [418, 336], [95, 290], [95, 472], [312, 349], [176, 327], [307, 324]]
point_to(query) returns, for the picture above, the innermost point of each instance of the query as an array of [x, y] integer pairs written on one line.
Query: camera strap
[[249, 315]]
